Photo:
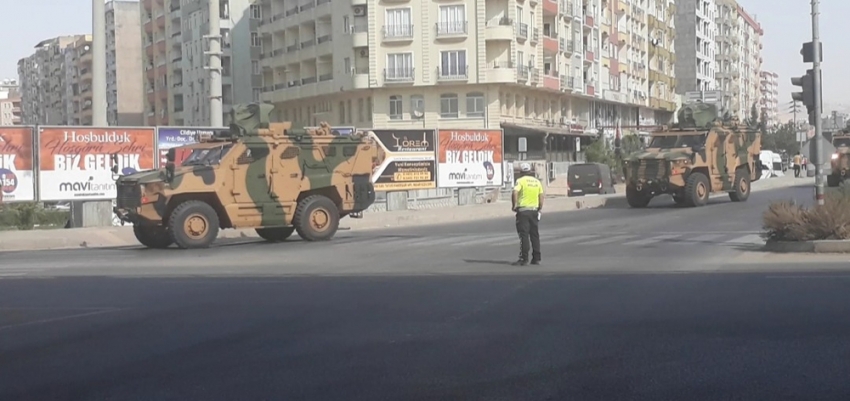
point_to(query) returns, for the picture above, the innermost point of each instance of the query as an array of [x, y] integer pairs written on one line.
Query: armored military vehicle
[[268, 176], [703, 153], [840, 161]]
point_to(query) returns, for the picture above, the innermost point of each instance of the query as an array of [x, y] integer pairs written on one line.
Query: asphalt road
[[674, 307]]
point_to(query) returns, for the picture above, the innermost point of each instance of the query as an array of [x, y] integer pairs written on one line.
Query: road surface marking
[[705, 238], [653, 240], [488, 240], [608, 240], [752, 239], [566, 240], [440, 241]]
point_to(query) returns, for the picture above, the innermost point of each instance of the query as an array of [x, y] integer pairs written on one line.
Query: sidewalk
[[96, 237]]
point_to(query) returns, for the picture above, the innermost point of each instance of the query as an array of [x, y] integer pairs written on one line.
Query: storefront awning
[[569, 131]]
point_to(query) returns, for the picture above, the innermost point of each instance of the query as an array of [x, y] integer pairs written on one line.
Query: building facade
[[696, 47], [770, 97], [124, 96], [751, 62], [77, 82], [175, 77], [544, 70], [10, 103], [42, 81]]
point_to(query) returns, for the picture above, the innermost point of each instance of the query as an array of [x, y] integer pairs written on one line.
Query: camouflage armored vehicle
[[268, 176], [840, 161], [703, 154]]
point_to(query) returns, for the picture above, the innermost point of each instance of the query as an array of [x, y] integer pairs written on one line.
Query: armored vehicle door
[[254, 204], [288, 176]]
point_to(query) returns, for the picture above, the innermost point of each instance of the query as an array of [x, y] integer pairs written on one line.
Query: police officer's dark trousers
[[526, 227]]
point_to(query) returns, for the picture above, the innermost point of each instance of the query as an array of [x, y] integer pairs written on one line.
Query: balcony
[[522, 31], [550, 7], [501, 72], [456, 73], [522, 72], [590, 88], [458, 29], [551, 80], [394, 33], [589, 56], [567, 83], [589, 21], [399, 75], [501, 29], [535, 35], [360, 35], [550, 44]]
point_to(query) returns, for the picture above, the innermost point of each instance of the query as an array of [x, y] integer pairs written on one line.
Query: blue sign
[[172, 137]]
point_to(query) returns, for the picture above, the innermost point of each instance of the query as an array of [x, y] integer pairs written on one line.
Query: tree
[[782, 138]]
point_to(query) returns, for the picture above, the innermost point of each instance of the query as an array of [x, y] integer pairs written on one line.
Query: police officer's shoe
[[535, 261], [520, 263]]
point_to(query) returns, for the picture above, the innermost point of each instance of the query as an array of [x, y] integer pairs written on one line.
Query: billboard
[[16, 164], [406, 160], [172, 137], [469, 158], [75, 162]]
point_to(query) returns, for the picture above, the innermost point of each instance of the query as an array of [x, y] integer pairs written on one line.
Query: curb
[[820, 246]]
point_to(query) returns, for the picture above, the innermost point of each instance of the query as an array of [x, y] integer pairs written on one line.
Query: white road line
[[488, 240], [608, 240], [705, 238], [653, 240], [752, 239], [566, 240]]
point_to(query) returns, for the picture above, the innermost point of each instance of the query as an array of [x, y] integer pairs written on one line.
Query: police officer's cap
[[525, 167]]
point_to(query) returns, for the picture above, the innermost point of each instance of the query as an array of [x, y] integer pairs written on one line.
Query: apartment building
[[751, 62], [124, 96], [544, 70], [176, 80], [77, 82], [42, 82], [769, 102], [696, 34], [10, 103]]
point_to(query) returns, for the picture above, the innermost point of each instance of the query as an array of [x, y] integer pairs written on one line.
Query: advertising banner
[[16, 166], [469, 158], [172, 137], [75, 163], [406, 160]]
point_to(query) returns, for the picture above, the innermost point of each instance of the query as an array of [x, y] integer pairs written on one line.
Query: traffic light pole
[[819, 162]]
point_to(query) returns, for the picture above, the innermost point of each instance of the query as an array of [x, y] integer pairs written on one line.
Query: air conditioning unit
[[359, 11], [364, 52]]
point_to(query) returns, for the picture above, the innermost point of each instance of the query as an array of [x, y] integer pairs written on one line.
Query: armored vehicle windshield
[[207, 156], [677, 141], [838, 142]]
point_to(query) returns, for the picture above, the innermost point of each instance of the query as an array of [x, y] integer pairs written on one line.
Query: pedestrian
[[527, 202], [798, 163]]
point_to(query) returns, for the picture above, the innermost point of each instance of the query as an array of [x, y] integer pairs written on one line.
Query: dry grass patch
[[787, 221]]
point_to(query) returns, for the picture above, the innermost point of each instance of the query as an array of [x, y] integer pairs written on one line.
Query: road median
[[97, 237]]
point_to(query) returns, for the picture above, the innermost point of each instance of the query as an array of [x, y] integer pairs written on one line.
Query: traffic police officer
[[527, 202]]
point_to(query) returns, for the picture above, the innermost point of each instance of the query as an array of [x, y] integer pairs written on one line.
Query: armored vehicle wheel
[[833, 180], [275, 234], [316, 218], [193, 224], [156, 237], [635, 198], [741, 191], [697, 190]]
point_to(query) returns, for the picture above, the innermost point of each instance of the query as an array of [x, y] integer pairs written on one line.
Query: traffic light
[[807, 84]]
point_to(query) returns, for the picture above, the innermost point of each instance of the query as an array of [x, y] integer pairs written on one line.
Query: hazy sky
[[787, 23]]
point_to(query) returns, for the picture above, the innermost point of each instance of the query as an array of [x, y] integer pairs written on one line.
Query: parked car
[[589, 178]]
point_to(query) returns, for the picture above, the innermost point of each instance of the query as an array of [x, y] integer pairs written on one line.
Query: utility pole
[[214, 66], [816, 60]]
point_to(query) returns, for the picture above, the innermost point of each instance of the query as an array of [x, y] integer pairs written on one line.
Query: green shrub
[[26, 216], [787, 221]]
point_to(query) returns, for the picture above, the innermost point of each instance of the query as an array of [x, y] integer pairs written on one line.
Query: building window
[[255, 67], [342, 112], [399, 65], [417, 106], [255, 40], [452, 20], [398, 23], [360, 107], [475, 104], [448, 105], [453, 63], [256, 11], [257, 92], [396, 107]]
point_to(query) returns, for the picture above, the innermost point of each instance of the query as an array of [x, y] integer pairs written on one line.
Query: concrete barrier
[[96, 237]]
